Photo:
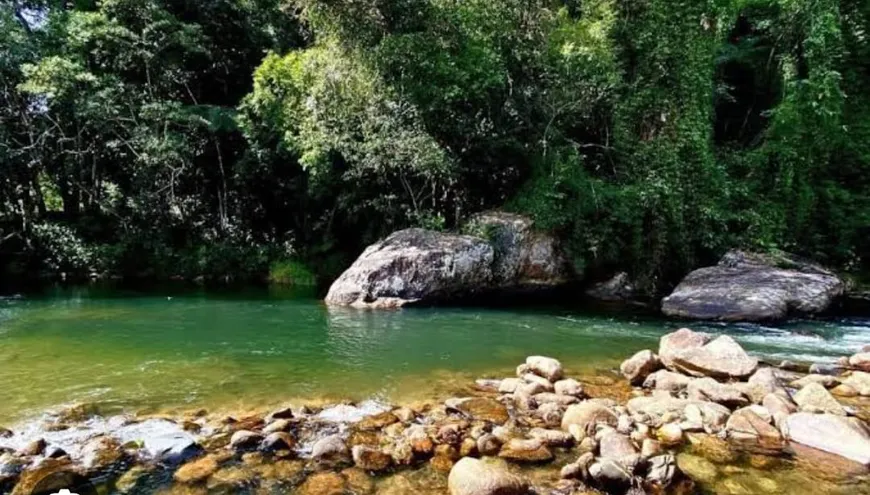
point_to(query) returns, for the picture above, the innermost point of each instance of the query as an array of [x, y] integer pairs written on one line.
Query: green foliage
[[290, 272], [232, 139]]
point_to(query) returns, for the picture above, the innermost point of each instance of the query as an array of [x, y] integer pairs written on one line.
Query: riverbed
[[166, 350]]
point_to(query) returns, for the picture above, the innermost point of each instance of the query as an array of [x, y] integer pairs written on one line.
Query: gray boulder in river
[[754, 287], [418, 265]]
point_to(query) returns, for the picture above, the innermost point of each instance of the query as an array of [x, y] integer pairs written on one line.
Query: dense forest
[[241, 138]]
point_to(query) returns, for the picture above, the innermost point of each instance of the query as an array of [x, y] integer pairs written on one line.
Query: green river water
[[171, 349]]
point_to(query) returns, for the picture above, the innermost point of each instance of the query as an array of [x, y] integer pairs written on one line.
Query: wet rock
[[667, 381], [488, 444], [661, 470], [826, 381], [480, 408], [753, 432], [55, 452], [616, 446], [358, 481], [753, 287], [611, 475], [49, 476], [860, 381], [860, 361], [198, 470], [468, 447], [826, 369], [414, 265], [405, 414], [402, 452], [546, 367], [172, 448], [103, 454], [285, 412], [670, 435], [552, 438], [245, 440], [443, 460], [569, 386], [449, 434], [636, 368], [845, 437], [324, 483], [697, 468], [371, 459], [530, 450], [721, 358], [36, 447], [815, 398], [377, 421], [708, 389], [130, 480], [476, 477], [231, 479], [331, 449], [420, 441], [587, 414], [279, 440], [277, 425]]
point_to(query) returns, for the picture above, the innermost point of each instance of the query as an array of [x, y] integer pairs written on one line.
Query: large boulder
[[414, 265], [524, 257], [846, 437], [472, 476], [754, 287]]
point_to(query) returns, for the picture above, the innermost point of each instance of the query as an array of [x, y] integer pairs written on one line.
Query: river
[[172, 349]]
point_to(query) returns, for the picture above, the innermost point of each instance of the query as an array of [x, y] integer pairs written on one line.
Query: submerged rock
[[371, 459], [471, 476], [530, 450], [754, 287], [414, 265], [480, 408], [846, 437]]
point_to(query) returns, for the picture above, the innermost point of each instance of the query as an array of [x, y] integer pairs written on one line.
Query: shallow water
[[165, 350]]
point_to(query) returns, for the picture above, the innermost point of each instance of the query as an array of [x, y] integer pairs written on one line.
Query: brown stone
[[531, 450]]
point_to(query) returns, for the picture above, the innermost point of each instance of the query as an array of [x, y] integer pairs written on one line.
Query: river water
[[167, 350]]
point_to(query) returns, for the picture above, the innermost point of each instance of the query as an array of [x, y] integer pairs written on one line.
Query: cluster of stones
[[695, 388]]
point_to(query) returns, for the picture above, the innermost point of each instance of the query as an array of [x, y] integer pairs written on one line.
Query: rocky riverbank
[[696, 414]]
